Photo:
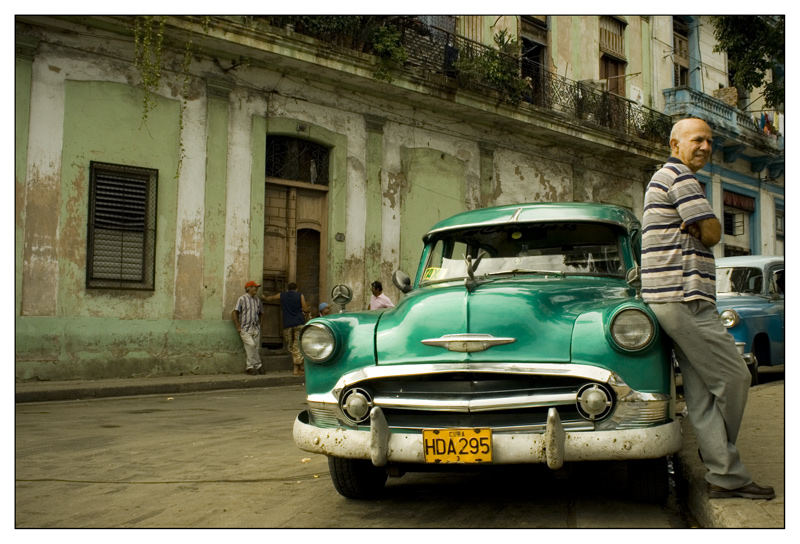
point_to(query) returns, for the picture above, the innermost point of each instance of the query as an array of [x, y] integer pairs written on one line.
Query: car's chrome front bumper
[[554, 446]]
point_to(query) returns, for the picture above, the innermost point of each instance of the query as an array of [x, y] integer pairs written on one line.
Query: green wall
[[436, 191], [103, 122], [22, 108], [214, 206], [109, 333]]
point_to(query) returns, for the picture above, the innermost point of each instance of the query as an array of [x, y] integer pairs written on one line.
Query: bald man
[[678, 283]]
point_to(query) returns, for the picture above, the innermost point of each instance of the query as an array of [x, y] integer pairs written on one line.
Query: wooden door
[[295, 248]]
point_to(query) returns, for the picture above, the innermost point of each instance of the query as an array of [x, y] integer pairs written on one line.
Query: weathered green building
[[163, 162]]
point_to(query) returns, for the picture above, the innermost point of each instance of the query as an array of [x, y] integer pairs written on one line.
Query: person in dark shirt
[[295, 311]]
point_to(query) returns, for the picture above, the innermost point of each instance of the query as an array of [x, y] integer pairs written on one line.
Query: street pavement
[[761, 439]]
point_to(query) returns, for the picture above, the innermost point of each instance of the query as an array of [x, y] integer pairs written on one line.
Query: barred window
[[680, 54], [733, 223], [612, 36], [122, 227], [612, 53], [298, 160]]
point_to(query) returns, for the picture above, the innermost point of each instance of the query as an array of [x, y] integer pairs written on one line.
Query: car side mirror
[[401, 280]]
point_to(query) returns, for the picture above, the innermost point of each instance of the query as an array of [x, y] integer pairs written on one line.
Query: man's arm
[[306, 309], [272, 298], [708, 231], [235, 316]]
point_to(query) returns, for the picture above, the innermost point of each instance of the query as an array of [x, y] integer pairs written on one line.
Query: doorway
[[295, 234]]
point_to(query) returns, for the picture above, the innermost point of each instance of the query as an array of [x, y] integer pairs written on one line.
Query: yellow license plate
[[457, 445]]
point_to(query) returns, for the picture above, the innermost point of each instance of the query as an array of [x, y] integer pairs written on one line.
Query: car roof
[[759, 261], [538, 212]]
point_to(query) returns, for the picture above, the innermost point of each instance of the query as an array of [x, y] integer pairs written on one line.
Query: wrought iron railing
[[440, 55], [438, 52]]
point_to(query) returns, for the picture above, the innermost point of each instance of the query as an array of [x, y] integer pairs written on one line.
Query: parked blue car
[[750, 301]]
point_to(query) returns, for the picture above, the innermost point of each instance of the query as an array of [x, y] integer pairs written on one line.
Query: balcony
[[731, 125], [484, 69], [446, 60]]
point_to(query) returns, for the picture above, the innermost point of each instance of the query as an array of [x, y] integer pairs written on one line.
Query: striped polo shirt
[[249, 309], [676, 266]]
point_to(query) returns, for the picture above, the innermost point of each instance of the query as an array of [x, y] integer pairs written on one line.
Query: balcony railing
[[684, 101], [436, 51], [441, 56]]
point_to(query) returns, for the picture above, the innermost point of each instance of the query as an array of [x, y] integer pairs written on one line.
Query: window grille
[[297, 160], [680, 51], [122, 226], [472, 27], [612, 36], [734, 223]]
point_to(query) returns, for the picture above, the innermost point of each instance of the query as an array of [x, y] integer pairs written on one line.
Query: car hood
[[740, 302], [538, 314]]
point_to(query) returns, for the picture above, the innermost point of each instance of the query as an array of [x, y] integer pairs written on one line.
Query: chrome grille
[[476, 399]]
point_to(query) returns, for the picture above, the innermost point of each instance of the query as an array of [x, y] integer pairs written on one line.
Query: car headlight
[[632, 329], [729, 318], [317, 342]]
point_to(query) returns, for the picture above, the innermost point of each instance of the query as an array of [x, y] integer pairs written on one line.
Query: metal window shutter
[[120, 221]]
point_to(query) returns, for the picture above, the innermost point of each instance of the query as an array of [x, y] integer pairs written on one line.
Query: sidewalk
[[761, 440], [761, 447]]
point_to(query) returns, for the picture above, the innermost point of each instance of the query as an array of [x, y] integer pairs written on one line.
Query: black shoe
[[749, 491], [261, 370], [251, 371]]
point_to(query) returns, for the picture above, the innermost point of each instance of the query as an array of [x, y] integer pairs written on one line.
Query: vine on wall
[[149, 58]]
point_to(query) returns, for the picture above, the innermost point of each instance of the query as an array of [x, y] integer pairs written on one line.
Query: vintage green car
[[522, 339]]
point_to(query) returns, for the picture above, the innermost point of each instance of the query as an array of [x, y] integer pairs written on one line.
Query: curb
[[81, 390], [734, 513]]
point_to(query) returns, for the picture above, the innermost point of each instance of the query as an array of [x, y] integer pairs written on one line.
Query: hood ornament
[[468, 342]]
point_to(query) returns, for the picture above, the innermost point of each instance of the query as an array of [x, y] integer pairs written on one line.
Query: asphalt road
[[226, 459]]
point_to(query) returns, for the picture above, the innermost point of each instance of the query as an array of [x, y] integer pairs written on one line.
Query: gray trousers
[[252, 347], [715, 385]]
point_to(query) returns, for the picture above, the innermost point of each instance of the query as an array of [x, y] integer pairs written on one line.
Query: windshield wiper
[[529, 271], [598, 274]]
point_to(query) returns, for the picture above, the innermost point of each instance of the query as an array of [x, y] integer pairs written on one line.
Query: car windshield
[[740, 279], [534, 248]]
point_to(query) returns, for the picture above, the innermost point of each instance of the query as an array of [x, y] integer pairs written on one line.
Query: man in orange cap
[[248, 316]]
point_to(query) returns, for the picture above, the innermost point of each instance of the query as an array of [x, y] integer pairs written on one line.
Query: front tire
[[356, 478]]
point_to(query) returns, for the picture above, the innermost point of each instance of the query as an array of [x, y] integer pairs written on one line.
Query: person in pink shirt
[[379, 300]]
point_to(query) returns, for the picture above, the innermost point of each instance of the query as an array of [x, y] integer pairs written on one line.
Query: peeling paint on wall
[[43, 191], [523, 178], [237, 222], [191, 208]]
